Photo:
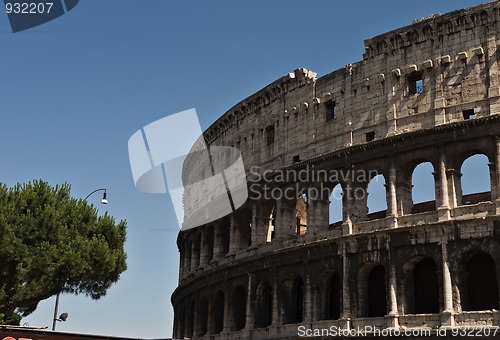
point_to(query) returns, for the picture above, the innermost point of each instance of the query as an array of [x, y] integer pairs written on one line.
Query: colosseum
[[278, 268]]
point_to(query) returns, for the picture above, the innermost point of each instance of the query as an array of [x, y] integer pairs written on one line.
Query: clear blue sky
[[74, 90]]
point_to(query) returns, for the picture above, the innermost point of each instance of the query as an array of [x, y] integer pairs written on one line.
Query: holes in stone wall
[[468, 114], [482, 286], [415, 83], [294, 300], [336, 205], [333, 297], [331, 110], [475, 180], [270, 135], [423, 190], [218, 312], [377, 197], [370, 136], [264, 305], [238, 308]]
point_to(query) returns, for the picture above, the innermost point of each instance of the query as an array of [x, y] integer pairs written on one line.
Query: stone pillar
[[442, 195], [234, 235], [447, 313], [346, 300], [210, 320], [196, 331], [218, 241], [493, 70], [276, 317], [495, 185], [392, 206], [393, 301], [203, 248], [317, 211], [347, 209], [250, 317], [227, 311], [454, 187], [307, 299], [259, 226], [286, 221]]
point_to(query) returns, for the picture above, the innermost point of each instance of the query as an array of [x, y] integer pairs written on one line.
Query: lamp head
[[63, 316], [104, 199]]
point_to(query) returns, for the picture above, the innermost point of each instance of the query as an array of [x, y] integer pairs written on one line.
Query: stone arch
[[376, 197], [293, 302], [336, 208], [218, 312], [423, 187], [372, 291], [301, 214], [332, 297], [482, 285], [238, 308], [475, 184], [264, 305], [421, 283]]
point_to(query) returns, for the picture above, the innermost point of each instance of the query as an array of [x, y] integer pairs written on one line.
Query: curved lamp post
[[64, 316]]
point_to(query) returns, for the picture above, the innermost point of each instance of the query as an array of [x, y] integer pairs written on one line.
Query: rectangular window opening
[[469, 114], [331, 110], [270, 134], [296, 158], [415, 83], [370, 136]]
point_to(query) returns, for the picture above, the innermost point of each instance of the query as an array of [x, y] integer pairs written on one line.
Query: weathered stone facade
[[428, 92]]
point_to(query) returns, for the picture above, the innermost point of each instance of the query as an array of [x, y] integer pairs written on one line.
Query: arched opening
[[377, 198], [182, 322], [336, 205], [333, 296], [264, 310], [426, 287], [218, 312], [294, 300], [482, 285], [475, 181], [301, 214], [242, 229], [203, 316], [377, 296], [423, 189], [238, 308]]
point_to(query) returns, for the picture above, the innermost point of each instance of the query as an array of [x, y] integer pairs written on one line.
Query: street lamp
[[64, 316]]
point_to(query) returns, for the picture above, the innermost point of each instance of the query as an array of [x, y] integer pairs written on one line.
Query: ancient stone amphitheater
[[276, 268]]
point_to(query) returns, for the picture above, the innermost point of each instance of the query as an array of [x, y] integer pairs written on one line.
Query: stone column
[[234, 235], [276, 319], [347, 209], [286, 222], [259, 226], [307, 299], [493, 70], [250, 317], [442, 195], [317, 211], [392, 206], [454, 187], [495, 185], [447, 313], [346, 300], [393, 300], [227, 311]]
